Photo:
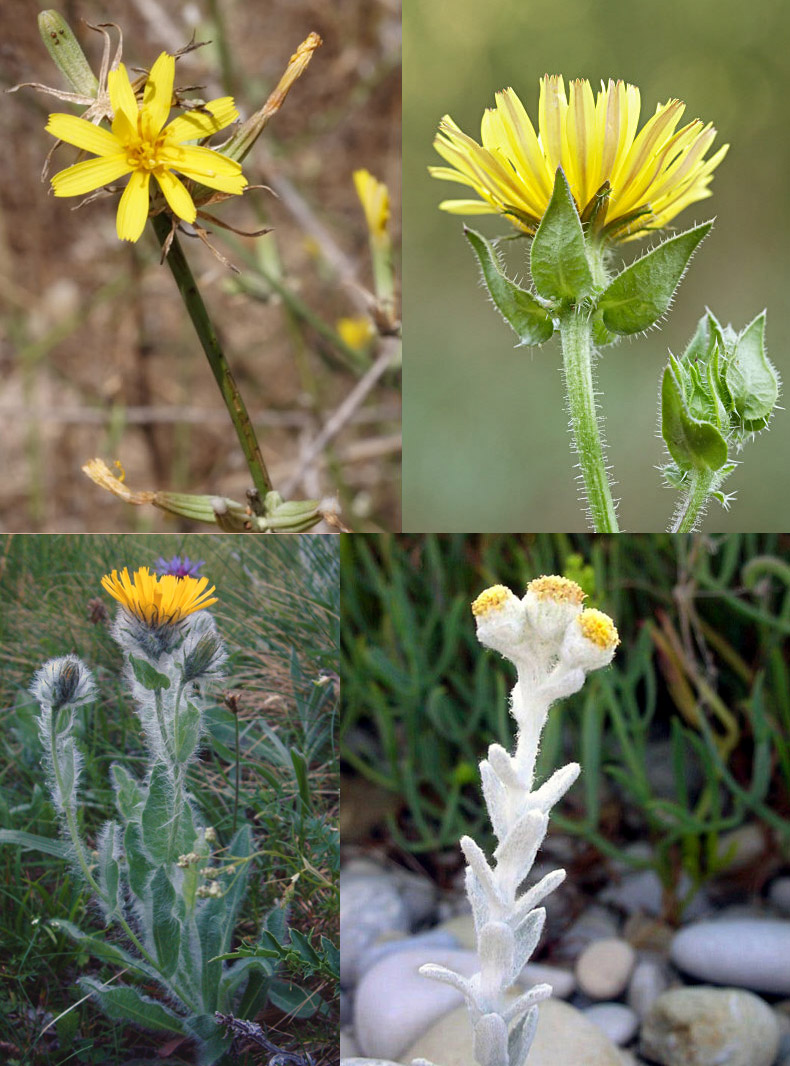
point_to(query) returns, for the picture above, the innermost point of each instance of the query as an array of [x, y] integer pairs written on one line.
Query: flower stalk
[[196, 309], [578, 356]]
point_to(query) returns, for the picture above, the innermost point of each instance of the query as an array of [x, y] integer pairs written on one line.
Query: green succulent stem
[[702, 484], [578, 354], [193, 302]]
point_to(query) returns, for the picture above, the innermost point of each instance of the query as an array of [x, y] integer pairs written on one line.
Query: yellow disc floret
[[157, 600], [558, 589], [493, 599], [598, 628]]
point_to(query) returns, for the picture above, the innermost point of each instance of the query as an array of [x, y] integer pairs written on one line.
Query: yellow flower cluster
[[157, 600]]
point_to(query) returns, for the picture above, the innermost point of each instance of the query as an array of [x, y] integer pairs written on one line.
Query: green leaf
[[147, 676], [102, 949], [167, 928], [558, 260], [187, 732], [157, 813], [128, 795], [109, 874], [690, 442], [292, 999], [36, 843], [126, 1004], [210, 927], [212, 1043], [751, 379], [137, 861], [642, 293], [532, 322]]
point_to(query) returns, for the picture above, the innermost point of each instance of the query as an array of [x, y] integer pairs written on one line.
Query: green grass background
[[487, 446]]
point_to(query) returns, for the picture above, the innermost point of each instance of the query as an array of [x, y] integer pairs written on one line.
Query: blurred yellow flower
[[357, 333], [141, 145], [650, 176], [156, 600], [375, 200]]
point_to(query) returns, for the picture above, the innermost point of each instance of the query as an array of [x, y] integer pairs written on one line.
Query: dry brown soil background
[[97, 357]]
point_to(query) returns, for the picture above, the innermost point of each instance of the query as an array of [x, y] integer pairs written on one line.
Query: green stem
[[577, 353], [196, 309], [160, 718], [702, 484]]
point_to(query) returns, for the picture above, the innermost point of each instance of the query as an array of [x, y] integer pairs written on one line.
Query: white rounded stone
[[710, 1027], [394, 1003], [369, 906], [648, 981], [348, 1045], [746, 952], [603, 968], [618, 1022], [564, 1037], [392, 943], [779, 894], [368, 1062]]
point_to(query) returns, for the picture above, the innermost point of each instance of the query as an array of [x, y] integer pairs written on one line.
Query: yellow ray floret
[[650, 176], [157, 600], [141, 145], [375, 199]]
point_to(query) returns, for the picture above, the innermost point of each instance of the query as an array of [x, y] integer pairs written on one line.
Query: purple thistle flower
[[179, 567]]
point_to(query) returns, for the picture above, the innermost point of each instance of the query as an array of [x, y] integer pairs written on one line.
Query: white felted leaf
[[525, 940], [495, 947], [516, 853], [551, 791], [532, 897], [446, 977], [495, 799], [477, 899], [491, 1040], [521, 1036], [517, 1008], [504, 766], [479, 863]]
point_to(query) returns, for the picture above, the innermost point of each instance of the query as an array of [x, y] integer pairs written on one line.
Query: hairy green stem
[[207, 336], [702, 484], [577, 353]]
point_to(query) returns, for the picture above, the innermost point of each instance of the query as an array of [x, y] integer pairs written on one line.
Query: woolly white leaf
[[477, 899], [519, 1007], [495, 947], [495, 799], [526, 937], [521, 1037], [479, 863], [551, 791], [504, 767], [517, 851], [446, 977], [491, 1041], [534, 895]]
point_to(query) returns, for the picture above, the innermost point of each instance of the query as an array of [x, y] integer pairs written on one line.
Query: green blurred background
[[486, 439]]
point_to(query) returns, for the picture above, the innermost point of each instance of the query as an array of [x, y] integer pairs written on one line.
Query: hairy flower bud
[[63, 682]]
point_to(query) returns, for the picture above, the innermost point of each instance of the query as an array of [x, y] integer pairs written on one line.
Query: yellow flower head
[[375, 200], [492, 599], [140, 145], [599, 629], [629, 182], [156, 600], [357, 332], [557, 589]]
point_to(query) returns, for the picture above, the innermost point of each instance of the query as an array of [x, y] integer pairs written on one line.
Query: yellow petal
[[122, 96], [158, 95], [552, 108], [176, 195], [133, 207], [83, 134], [195, 124], [90, 175], [206, 166]]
